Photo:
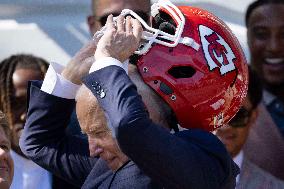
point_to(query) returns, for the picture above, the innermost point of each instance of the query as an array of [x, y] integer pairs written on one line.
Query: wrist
[[101, 55], [71, 76]]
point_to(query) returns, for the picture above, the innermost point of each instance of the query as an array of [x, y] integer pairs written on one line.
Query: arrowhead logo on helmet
[[218, 53]]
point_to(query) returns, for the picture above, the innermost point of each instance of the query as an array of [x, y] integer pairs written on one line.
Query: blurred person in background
[[265, 33], [102, 8], [234, 135], [6, 161], [15, 72]]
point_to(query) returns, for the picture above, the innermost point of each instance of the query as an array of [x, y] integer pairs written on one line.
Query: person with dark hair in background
[[6, 161], [265, 33], [15, 72], [234, 135]]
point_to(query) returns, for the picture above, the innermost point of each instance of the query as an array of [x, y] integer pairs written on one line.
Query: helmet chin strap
[[152, 35]]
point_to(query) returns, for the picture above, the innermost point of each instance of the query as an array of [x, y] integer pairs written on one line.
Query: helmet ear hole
[[182, 72]]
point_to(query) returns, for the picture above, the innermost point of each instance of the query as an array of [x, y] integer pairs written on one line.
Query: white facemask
[[152, 35]]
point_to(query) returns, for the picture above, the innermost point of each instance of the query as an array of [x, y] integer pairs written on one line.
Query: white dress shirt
[[54, 83], [28, 175]]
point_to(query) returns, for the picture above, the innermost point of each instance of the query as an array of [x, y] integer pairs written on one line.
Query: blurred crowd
[[253, 137]]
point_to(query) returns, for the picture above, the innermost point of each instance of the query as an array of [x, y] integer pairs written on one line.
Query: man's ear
[[91, 20]]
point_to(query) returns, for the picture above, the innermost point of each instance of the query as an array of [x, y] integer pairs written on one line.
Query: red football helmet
[[195, 63]]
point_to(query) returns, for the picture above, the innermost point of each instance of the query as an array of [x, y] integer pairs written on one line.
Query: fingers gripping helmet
[[195, 63]]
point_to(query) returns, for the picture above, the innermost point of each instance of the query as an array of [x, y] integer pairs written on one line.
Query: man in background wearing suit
[[266, 43], [102, 8], [235, 134]]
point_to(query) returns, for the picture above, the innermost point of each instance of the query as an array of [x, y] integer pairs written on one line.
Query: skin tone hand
[[80, 64], [118, 43], [121, 41]]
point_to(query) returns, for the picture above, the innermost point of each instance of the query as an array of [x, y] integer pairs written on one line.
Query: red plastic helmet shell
[[215, 82]]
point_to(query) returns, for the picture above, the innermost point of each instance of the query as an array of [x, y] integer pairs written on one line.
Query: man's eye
[[5, 147], [261, 34]]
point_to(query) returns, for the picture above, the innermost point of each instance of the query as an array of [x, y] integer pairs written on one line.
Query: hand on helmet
[[119, 41]]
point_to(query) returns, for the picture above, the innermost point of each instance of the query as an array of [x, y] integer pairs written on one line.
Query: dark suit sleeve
[[44, 139], [192, 160]]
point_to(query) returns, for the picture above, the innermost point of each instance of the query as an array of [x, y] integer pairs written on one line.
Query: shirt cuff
[[57, 85], [108, 61]]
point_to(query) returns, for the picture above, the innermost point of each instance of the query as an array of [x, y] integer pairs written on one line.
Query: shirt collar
[[239, 161], [268, 97]]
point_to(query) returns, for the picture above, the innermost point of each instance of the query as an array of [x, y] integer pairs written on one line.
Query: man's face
[[266, 43], [6, 162], [93, 123], [19, 102], [234, 135], [103, 8]]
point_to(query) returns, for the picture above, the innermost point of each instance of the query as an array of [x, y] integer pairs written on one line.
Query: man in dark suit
[[265, 26], [93, 163], [188, 159]]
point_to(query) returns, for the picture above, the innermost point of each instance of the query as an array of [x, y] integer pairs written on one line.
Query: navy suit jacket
[[189, 159], [46, 142]]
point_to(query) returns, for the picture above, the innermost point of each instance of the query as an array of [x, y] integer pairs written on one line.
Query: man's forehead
[[104, 7], [94, 128], [264, 15]]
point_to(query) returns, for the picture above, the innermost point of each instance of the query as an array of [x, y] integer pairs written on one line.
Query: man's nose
[[274, 44], [3, 154], [94, 148]]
